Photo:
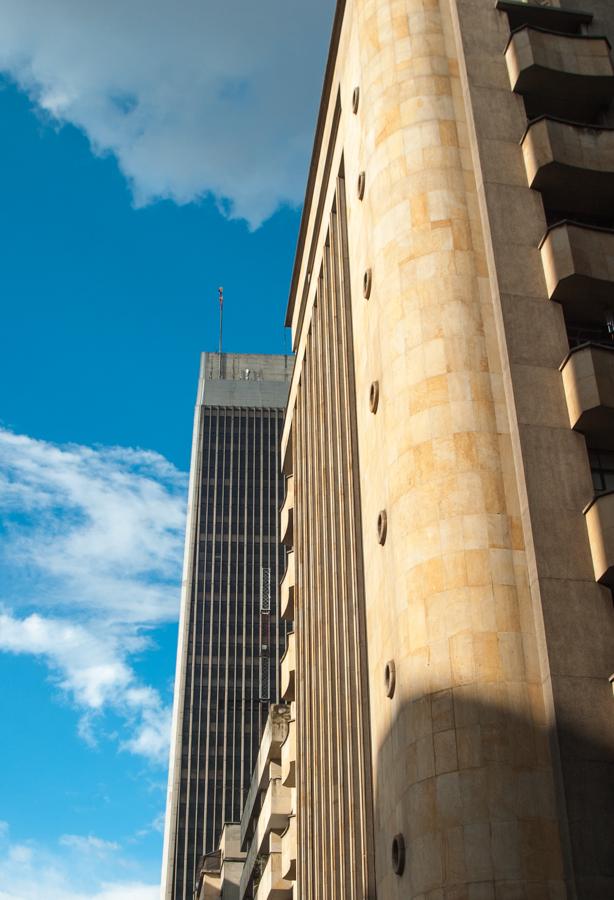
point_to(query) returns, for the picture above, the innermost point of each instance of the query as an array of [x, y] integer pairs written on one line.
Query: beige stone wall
[[483, 593], [574, 625]]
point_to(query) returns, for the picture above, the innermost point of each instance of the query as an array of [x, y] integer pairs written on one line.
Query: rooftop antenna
[[220, 292]]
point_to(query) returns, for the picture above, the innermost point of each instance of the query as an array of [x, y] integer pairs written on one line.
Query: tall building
[[231, 637], [449, 444]]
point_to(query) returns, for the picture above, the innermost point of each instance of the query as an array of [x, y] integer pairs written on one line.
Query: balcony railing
[[588, 333], [602, 469], [554, 18]]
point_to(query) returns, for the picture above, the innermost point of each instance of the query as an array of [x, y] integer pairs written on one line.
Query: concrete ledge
[[271, 885], [287, 514], [286, 589], [600, 523], [571, 165], [288, 669], [288, 850], [519, 12], [566, 75], [578, 265], [288, 757], [588, 379], [275, 732]]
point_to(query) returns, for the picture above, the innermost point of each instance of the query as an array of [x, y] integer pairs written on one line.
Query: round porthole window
[[398, 854], [374, 396], [366, 284], [382, 526], [360, 187], [355, 100], [390, 677]]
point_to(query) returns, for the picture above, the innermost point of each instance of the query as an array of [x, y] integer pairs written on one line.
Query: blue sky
[[133, 182]]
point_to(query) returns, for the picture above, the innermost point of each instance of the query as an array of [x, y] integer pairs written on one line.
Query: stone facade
[[256, 860], [220, 871], [450, 568]]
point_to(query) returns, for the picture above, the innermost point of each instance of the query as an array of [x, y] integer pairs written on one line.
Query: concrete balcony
[[288, 669], [288, 850], [275, 733], [288, 757], [578, 264], [571, 165], [570, 76], [600, 524], [287, 514], [271, 885], [276, 807], [552, 18], [271, 822], [286, 589], [588, 379]]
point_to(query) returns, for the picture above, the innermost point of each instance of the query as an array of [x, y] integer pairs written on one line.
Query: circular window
[[366, 284], [382, 526], [355, 100], [390, 677], [398, 854], [360, 187], [374, 396]]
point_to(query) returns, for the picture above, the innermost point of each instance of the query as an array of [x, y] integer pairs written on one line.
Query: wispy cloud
[[89, 844], [91, 560], [96, 674], [156, 826], [194, 97], [103, 526], [76, 869]]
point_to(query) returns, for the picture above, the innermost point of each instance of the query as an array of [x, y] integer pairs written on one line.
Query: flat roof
[[254, 380]]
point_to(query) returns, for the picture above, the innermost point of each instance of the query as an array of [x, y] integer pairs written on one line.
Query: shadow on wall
[[468, 784]]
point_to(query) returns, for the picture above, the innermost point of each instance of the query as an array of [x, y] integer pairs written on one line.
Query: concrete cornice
[[315, 155]]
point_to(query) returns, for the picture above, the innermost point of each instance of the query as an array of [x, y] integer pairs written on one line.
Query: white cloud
[[156, 826], [95, 672], [91, 560], [36, 888], [132, 891], [78, 871], [89, 844], [20, 853], [91, 668], [192, 96], [158, 823], [104, 526]]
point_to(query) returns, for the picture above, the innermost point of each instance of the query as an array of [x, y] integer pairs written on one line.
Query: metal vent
[[265, 590], [264, 680]]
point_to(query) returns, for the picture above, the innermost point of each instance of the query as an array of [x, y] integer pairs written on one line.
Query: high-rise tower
[[230, 634]]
